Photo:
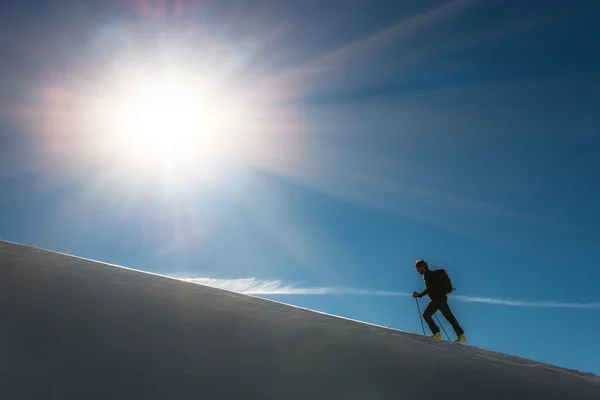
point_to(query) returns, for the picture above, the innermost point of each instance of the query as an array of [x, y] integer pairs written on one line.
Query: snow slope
[[75, 329]]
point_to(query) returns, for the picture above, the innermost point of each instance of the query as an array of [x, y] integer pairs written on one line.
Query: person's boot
[[436, 335], [461, 338]]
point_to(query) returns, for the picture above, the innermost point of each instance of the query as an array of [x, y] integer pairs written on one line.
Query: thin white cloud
[[255, 286], [521, 303]]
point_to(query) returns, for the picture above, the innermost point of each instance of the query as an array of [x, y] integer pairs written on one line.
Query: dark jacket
[[432, 283]]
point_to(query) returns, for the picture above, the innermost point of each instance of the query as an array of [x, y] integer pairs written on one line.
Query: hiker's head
[[421, 266]]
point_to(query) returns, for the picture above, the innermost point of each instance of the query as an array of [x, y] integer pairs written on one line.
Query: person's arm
[[419, 295]]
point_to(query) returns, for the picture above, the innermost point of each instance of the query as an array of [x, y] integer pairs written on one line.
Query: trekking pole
[[444, 329], [420, 316]]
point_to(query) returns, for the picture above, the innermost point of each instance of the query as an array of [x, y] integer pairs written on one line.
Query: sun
[[170, 120]]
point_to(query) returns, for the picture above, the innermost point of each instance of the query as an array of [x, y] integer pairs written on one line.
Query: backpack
[[443, 281]]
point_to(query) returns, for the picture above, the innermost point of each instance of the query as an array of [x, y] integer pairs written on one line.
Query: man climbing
[[437, 287]]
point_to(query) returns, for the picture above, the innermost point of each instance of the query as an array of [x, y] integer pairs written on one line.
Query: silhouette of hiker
[[437, 283]]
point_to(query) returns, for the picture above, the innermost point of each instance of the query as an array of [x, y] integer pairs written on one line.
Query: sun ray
[[295, 79]]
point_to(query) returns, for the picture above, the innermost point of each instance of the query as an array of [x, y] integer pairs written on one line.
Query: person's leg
[[447, 313], [432, 307]]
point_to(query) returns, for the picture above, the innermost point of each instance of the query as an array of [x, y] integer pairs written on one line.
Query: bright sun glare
[[170, 121]]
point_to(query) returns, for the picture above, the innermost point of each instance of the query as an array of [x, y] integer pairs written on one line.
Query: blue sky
[[458, 132]]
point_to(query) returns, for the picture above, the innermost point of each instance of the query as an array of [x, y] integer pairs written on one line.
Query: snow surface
[[76, 329]]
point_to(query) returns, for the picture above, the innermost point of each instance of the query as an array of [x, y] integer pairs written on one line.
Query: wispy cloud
[[521, 303], [255, 286]]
